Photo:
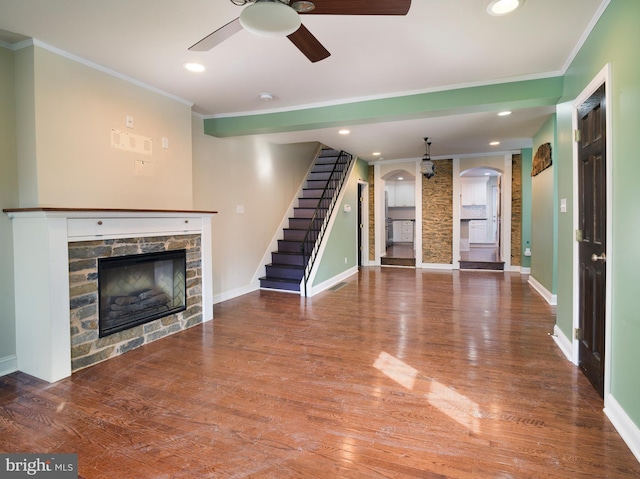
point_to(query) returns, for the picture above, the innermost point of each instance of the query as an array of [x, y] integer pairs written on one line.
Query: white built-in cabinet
[[478, 231], [474, 191], [403, 231], [401, 193]]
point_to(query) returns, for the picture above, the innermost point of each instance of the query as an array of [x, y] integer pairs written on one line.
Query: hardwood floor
[[480, 253], [401, 250], [401, 373], [399, 254]]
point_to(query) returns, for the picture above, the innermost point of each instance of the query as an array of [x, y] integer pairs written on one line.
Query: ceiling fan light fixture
[[503, 7], [270, 18]]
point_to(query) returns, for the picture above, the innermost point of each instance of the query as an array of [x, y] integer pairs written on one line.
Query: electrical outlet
[[345, 260]]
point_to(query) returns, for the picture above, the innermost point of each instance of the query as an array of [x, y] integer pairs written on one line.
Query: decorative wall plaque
[[542, 159]]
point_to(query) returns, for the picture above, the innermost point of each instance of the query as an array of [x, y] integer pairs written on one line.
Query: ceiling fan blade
[[308, 44], [359, 7], [217, 37]]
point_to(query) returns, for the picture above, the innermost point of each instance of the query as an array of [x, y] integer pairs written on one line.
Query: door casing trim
[[603, 77]]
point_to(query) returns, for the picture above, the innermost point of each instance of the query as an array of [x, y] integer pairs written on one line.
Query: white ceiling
[[439, 45]]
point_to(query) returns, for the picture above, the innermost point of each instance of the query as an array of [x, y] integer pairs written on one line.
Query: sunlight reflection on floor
[[455, 405], [396, 369]]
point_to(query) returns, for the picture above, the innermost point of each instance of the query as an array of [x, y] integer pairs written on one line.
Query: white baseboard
[[234, 293], [519, 269], [565, 345], [550, 298], [436, 266], [624, 425], [8, 365], [313, 290]]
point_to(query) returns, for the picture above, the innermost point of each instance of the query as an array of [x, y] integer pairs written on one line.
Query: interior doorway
[[481, 219], [399, 219], [592, 237]]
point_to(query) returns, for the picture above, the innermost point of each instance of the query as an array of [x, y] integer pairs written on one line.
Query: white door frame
[[506, 171], [364, 234], [604, 76]]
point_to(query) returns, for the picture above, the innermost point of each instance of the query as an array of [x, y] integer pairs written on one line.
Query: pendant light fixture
[[427, 167]]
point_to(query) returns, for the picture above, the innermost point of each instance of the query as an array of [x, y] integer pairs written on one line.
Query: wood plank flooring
[[399, 254], [480, 253], [400, 250], [401, 373]]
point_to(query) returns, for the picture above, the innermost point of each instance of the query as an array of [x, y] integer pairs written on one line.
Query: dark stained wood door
[[592, 197], [361, 189]]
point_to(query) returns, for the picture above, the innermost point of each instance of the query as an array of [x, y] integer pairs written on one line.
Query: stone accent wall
[[372, 220], [516, 210], [437, 215], [86, 347]]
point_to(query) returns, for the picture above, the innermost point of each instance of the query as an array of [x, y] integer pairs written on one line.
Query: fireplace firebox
[[136, 289]]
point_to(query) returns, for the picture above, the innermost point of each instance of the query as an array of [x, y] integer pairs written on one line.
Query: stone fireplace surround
[[42, 239]]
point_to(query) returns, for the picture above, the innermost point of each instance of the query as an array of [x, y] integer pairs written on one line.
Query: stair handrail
[[310, 246]]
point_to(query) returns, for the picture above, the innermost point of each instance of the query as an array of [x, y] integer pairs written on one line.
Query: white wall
[[258, 177], [66, 119], [8, 199]]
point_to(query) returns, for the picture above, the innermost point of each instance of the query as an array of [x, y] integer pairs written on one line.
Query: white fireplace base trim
[[41, 237]]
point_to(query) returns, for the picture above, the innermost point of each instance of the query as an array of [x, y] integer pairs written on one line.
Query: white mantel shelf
[[41, 271]]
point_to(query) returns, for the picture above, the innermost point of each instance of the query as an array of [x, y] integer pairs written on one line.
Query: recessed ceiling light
[[504, 113], [503, 7], [494, 143], [266, 96], [400, 178], [195, 67], [344, 132], [376, 153]]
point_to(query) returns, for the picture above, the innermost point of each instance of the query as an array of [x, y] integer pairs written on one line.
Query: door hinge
[[576, 135], [578, 235], [577, 334]]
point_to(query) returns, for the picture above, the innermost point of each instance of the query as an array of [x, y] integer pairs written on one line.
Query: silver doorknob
[[595, 257]]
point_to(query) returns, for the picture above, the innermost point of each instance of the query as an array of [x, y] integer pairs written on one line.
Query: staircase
[[482, 257], [306, 227]]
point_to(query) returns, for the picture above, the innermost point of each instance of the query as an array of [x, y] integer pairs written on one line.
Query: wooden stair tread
[[486, 265]]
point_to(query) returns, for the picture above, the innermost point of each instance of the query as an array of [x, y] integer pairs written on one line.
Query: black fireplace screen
[[136, 289]]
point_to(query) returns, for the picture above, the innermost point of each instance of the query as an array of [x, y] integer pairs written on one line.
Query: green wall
[[543, 233], [614, 41], [508, 96], [8, 199], [564, 169], [343, 238]]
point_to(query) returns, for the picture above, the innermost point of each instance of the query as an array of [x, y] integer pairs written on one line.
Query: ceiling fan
[[281, 18]]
